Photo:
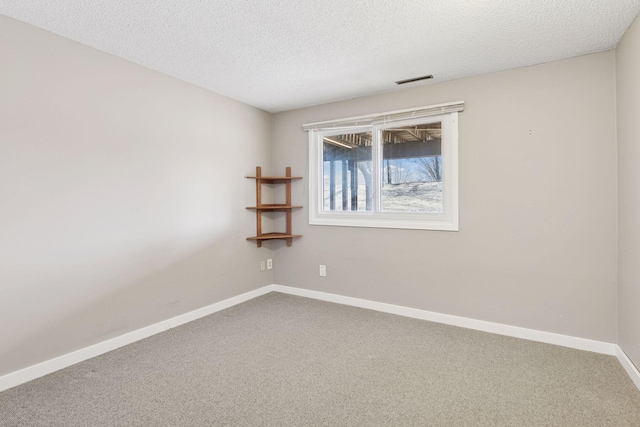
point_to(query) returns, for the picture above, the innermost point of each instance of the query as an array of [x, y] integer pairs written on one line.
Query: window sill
[[400, 220]]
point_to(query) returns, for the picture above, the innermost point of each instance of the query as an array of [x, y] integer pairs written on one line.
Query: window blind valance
[[387, 117]]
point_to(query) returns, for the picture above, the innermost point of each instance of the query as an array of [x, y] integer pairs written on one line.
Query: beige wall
[[628, 110], [121, 196], [537, 245]]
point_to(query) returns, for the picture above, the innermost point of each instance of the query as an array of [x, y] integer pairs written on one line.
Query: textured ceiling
[[284, 54]]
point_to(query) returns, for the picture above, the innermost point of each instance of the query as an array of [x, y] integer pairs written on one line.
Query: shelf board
[[273, 236], [271, 179], [272, 207]]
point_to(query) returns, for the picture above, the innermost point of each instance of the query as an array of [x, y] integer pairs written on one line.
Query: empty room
[[366, 213]]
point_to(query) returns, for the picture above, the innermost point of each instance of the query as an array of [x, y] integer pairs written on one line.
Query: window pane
[[412, 168], [347, 168]]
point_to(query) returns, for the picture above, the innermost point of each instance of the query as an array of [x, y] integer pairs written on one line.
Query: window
[[391, 170]]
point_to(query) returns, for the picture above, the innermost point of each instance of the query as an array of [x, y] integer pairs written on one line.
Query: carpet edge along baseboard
[[35, 371]]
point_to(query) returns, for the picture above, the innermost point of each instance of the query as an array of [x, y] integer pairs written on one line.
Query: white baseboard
[[32, 372], [628, 366], [464, 322], [41, 369]]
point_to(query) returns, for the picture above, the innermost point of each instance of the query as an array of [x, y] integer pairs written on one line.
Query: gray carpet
[[281, 360]]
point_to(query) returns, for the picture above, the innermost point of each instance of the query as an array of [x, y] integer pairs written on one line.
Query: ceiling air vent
[[415, 79]]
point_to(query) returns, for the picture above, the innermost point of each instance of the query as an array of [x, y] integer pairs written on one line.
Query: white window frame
[[447, 114]]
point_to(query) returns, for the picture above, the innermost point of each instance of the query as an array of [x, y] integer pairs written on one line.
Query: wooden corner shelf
[[286, 207]]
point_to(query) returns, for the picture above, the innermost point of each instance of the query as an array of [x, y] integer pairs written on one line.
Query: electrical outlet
[[323, 270], [269, 264], [262, 266]]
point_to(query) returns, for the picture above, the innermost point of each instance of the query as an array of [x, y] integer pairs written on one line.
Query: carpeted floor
[[280, 360]]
